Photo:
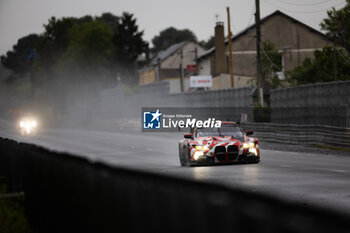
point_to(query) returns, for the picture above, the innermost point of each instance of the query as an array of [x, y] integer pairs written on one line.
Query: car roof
[[226, 123]]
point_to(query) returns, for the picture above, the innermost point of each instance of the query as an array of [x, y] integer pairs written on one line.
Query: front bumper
[[246, 157]]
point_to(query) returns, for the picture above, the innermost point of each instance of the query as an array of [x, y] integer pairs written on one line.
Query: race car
[[227, 144]]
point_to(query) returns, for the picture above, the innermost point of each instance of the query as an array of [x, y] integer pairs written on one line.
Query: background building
[[294, 40], [166, 65]]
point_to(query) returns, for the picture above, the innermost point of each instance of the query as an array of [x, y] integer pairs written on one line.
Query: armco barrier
[[301, 134], [64, 193]]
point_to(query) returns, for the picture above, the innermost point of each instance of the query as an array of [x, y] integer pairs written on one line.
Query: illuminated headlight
[[249, 145], [28, 124], [197, 154], [253, 151], [202, 147]]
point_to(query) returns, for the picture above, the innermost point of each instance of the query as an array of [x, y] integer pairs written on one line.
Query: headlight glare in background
[[28, 125]]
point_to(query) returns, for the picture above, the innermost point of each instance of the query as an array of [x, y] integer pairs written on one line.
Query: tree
[[90, 47], [271, 63], [111, 20], [57, 41], [320, 69], [53, 43], [129, 45], [209, 43], [19, 59], [171, 36], [337, 26]]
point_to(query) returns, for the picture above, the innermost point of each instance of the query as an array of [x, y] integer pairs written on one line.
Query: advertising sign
[[201, 81]]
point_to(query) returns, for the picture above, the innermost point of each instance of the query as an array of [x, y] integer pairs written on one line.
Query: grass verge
[[13, 218], [328, 147]]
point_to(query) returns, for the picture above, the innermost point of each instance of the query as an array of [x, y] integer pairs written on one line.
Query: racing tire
[[181, 160], [182, 163]]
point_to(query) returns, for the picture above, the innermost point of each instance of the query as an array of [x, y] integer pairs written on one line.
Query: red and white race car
[[227, 144]]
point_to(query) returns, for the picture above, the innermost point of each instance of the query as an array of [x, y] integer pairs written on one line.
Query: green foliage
[[105, 42], [129, 45], [54, 41], [271, 63], [320, 69], [90, 46], [75, 58], [111, 20], [170, 36], [337, 26], [209, 43], [12, 214], [18, 60]]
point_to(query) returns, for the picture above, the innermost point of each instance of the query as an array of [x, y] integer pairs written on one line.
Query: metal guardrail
[[65, 193], [301, 134]]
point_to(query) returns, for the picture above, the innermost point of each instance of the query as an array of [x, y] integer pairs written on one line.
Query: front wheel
[[182, 162], [180, 158]]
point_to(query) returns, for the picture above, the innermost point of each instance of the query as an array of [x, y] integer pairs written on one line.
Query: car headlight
[[253, 151], [28, 124], [197, 154], [248, 145], [202, 147]]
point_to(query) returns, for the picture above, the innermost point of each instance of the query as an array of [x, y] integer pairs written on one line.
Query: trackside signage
[[201, 81], [155, 119]]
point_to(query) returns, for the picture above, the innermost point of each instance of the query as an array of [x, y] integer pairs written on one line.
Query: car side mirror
[[188, 136], [248, 132]]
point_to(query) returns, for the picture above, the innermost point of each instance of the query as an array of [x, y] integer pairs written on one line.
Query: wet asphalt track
[[304, 177]]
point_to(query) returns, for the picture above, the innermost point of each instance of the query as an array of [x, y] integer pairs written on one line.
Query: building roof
[[263, 20], [168, 52], [163, 54]]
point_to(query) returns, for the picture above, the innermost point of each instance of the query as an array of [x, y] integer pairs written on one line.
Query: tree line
[[82, 47]]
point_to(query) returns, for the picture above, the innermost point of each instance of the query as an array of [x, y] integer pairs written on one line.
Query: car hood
[[216, 141]]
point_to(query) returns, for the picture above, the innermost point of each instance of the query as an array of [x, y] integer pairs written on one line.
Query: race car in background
[[227, 144]]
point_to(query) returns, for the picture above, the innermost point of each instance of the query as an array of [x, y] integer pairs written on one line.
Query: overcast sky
[[22, 17]]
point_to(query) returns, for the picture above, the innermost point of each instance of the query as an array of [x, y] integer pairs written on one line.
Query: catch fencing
[[320, 103], [67, 193]]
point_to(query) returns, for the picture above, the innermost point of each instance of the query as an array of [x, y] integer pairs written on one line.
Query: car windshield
[[225, 130], [231, 130], [207, 132]]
